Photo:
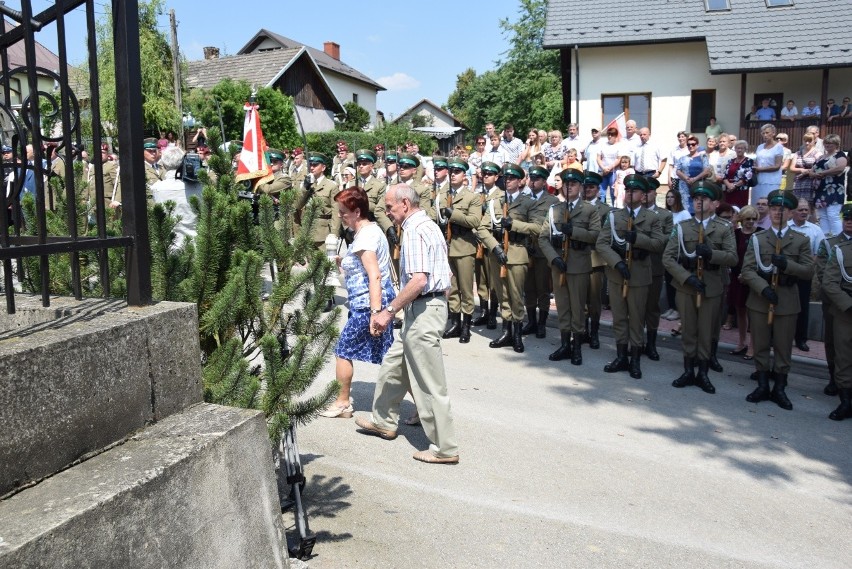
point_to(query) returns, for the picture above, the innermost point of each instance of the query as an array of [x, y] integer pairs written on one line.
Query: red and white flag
[[619, 122], [252, 164]]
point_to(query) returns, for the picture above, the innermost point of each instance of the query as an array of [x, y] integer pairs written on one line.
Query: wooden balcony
[[750, 131]]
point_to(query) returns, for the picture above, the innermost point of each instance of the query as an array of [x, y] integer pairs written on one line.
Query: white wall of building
[[344, 87], [314, 120]]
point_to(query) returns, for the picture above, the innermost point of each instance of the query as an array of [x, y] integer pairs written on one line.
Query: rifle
[[503, 271], [629, 247], [699, 271], [770, 317], [566, 246]]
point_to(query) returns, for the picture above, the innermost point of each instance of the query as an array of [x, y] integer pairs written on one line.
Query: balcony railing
[[750, 131]]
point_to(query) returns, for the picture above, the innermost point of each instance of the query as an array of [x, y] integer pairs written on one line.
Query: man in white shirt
[[789, 112], [496, 154], [573, 141], [650, 160], [812, 231], [631, 139], [511, 145]]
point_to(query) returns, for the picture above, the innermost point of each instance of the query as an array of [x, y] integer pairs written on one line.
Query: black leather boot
[[779, 396], [585, 338], [464, 336], [761, 393], [620, 363], [493, 307], [702, 380], [831, 388], [714, 362], [577, 354], [531, 326], [688, 376], [542, 324], [455, 326], [844, 411], [505, 338], [563, 352], [635, 356], [594, 341], [651, 346], [518, 339], [482, 319]]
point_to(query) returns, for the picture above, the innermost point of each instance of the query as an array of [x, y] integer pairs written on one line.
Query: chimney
[[211, 53], [332, 49]]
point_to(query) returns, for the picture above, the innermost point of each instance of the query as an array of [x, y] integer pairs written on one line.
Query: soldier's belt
[[459, 230], [578, 245], [517, 238], [783, 280], [692, 265]]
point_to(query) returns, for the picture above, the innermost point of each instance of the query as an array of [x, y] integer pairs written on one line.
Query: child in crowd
[[624, 170]]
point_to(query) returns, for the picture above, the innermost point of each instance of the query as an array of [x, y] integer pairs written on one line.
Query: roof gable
[[322, 58], [748, 37], [433, 109]]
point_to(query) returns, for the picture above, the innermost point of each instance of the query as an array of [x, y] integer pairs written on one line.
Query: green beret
[[406, 159], [275, 154], [636, 182], [512, 169], [390, 156], [365, 154], [653, 183], [572, 175], [149, 144], [317, 158], [539, 171], [786, 199], [706, 188], [490, 167], [459, 163], [440, 162], [592, 178], [846, 211]]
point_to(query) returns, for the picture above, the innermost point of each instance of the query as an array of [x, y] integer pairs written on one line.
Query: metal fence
[[23, 125]]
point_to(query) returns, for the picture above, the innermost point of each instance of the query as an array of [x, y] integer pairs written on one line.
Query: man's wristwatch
[[390, 308]]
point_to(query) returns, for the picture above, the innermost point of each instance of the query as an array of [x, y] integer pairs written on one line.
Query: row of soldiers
[[517, 245]]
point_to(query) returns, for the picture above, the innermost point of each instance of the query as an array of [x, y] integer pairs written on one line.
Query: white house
[[439, 124], [672, 65]]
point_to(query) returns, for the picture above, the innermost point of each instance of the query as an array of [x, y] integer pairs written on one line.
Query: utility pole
[[176, 72]]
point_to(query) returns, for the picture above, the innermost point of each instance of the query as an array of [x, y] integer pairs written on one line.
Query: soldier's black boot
[[518, 339], [761, 393], [779, 396], [531, 326], [714, 362], [635, 356], [585, 337], [651, 346], [620, 363], [688, 376], [454, 331], [594, 341], [542, 324], [493, 306], [577, 353], [464, 336], [831, 388], [563, 352], [482, 319], [702, 380], [844, 411], [505, 338]]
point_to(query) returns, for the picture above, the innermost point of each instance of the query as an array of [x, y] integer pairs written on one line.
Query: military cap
[[275, 154], [572, 175], [592, 178], [379, 146], [6, 148], [149, 144], [365, 154], [706, 188], [636, 182], [786, 199], [653, 183], [406, 159], [440, 162], [539, 171], [512, 169], [390, 156], [298, 151], [459, 163], [490, 167], [317, 158], [846, 211]]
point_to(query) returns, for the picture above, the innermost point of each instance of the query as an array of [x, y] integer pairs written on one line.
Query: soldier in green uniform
[[537, 287], [698, 251], [461, 211], [365, 161], [837, 288], [317, 186], [518, 229], [761, 267], [111, 180], [568, 235], [298, 171], [628, 270], [280, 181], [440, 185], [487, 287], [391, 173], [652, 312], [591, 189], [153, 173], [379, 151], [820, 261]]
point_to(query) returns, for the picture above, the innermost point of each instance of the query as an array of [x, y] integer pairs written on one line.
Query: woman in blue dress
[[367, 271]]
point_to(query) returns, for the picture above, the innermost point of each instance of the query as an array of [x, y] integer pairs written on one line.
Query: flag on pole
[[252, 164], [619, 122]]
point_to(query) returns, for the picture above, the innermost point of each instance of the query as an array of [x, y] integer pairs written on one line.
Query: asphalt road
[[565, 466]]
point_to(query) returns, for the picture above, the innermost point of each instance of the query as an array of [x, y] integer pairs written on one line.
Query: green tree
[[355, 119]]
